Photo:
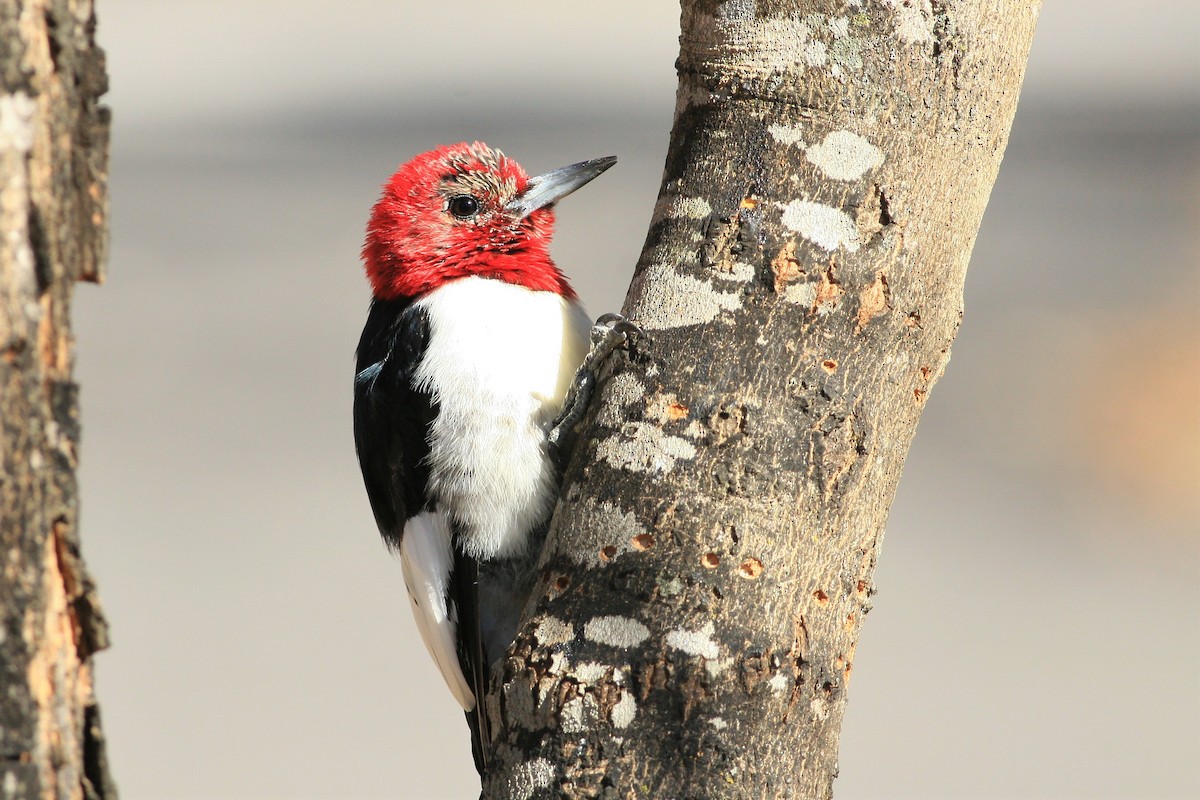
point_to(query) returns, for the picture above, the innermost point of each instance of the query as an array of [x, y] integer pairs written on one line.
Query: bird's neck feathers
[[397, 274]]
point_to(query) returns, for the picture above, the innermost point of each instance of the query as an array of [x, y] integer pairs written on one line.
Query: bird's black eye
[[463, 206]]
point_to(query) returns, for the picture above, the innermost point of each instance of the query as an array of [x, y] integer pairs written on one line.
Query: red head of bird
[[466, 209]]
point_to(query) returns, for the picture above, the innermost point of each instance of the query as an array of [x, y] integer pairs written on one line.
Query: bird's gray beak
[[544, 190]]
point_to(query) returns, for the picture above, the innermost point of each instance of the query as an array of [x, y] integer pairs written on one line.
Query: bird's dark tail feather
[[470, 651], [489, 598]]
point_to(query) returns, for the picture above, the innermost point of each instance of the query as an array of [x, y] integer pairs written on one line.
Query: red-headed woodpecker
[[472, 342]]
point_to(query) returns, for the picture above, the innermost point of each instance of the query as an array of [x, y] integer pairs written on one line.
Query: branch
[[53, 229], [710, 563]]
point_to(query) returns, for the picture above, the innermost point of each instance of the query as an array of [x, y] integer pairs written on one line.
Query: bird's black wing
[[391, 427], [391, 416]]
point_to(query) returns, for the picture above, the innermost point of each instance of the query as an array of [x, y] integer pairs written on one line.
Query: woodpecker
[[472, 342]]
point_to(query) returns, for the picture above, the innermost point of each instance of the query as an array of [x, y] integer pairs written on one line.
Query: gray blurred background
[[1037, 630]]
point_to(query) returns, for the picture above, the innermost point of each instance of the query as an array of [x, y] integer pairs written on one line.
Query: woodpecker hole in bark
[[750, 569], [642, 541]]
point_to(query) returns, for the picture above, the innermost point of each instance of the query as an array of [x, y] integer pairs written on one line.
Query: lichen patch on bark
[[623, 713], [844, 155], [681, 207], [913, 20], [623, 390], [787, 134], [825, 226], [697, 643], [612, 538], [616, 631], [671, 299], [551, 631], [527, 778], [643, 447]]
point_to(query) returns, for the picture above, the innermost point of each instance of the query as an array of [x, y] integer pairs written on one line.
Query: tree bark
[[709, 565], [53, 232]]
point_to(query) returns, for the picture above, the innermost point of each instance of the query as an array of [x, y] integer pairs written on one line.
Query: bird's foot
[[610, 332]]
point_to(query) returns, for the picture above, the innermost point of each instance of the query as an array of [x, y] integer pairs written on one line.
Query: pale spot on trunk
[[787, 134], [716, 666], [681, 207], [623, 390], [590, 672], [667, 299], [827, 227], [624, 711], [845, 156], [616, 631], [551, 631], [696, 643], [16, 122], [643, 447], [913, 20], [580, 714], [612, 530], [802, 294], [528, 777]]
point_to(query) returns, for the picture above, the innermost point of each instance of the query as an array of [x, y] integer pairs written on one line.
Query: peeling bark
[[53, 229], [709, 565]]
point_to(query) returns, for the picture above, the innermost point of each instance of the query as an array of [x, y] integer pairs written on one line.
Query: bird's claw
[[608, 333], [615, 320]]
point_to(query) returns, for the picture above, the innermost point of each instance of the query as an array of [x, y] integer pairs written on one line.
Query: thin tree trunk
[[53, 229], [710, 563]]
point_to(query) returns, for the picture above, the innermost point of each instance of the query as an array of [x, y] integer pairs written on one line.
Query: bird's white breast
[[499, 361]]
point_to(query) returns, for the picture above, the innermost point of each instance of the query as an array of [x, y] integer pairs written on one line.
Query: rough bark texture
[[710, 563], [53, 222]]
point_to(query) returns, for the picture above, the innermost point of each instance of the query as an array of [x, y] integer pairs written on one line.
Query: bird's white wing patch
[[425, 559]]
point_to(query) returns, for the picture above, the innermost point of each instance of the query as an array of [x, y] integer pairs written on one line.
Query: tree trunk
[[53, 223], [710, 563]]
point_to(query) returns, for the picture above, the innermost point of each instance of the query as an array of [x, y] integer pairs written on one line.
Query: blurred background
[[1037, 628]]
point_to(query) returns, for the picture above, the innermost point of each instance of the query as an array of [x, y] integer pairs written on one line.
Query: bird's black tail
[[489, 597], [471, 655]]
